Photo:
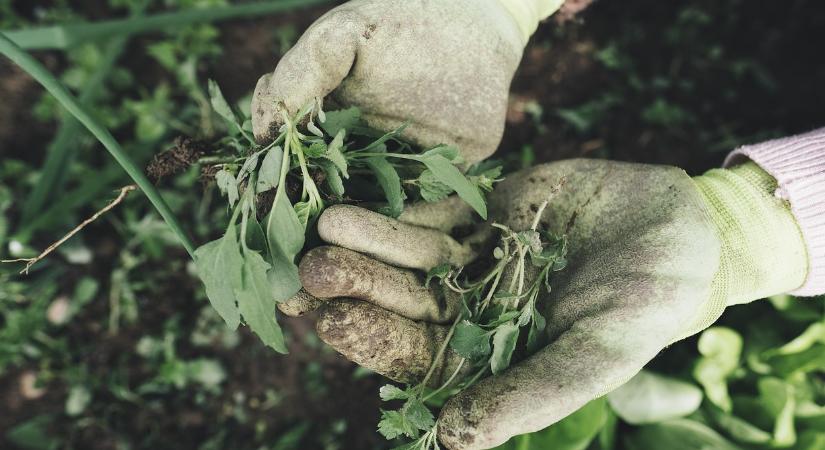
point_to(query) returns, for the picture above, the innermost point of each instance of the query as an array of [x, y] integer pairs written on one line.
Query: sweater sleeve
[[798, 165]]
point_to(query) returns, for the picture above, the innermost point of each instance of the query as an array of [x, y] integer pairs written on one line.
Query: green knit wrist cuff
[[763, 251]]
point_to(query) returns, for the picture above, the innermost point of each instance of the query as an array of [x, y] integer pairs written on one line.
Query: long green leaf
[[64, 146], [445, 172], [44, 77], [390, 183], [62, 37]]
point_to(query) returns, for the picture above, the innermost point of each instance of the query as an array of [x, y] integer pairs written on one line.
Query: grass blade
[[45, 78], [61, 37]]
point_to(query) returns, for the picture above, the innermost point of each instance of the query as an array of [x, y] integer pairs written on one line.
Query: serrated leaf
[[218, 264], [270, 172], [228, 186], [393, 424], [335, 153], [390, 183], [256, 303], [504, 343], [316, 149], [470, 341], [249, 165], [418, 414], [389, 392], [431, 189], [345, 119], [445, 172]]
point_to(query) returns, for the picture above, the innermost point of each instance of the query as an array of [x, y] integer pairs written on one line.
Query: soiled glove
[[654, 256], [443, 65]]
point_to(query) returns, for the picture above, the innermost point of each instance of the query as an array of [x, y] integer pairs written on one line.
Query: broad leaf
[[504, 343], [256, 303], [470, 341], [270, 172], [720, 348], [345, 119], [574, 432], [219, 267], [284, 230], [650, 398]]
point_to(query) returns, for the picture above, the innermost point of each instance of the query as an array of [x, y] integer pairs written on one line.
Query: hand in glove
[[654, 256], [443, 65]]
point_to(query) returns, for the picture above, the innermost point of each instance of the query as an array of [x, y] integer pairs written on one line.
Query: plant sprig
[[486, 331], [252, 267]]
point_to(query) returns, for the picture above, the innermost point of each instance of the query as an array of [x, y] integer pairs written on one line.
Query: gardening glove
[[654, 256], [445, 66]]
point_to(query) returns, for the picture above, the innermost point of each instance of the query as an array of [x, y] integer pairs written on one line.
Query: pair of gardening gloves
[[654, 255]]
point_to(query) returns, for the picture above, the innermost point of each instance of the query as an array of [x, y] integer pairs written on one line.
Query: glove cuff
[[528, 13], [763, 251], [798, 164]]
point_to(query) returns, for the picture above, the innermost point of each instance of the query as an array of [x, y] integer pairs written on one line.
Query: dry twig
[[124, 191]]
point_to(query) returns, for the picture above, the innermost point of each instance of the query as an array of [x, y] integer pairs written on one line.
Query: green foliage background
[[110, 343]]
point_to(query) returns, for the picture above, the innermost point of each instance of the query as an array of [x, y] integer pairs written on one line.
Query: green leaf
[[335, 153], [445, 172], [228, 186], [574, 432], [220, 105], [431, 189], [303, 210], [393, 424], [504, 343], [678, 434], [778, 398], [447, 151], [418, 414], [649, 398], [79, 398], [737, 428], [440, 271], [255, 237], [345, 119], [470, 341], [721, 349], [219, 267], [316, 149], [390, 183], [284, 230], [389, 392], [333, 178], [34, 434], [256, 303], [270, 172]]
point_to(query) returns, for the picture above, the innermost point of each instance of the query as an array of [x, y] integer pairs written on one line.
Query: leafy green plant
[[252, 267], [485, 332]]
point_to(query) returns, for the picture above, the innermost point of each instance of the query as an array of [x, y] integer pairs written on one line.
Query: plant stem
[[45, 78], [441, 351], [62, 37]]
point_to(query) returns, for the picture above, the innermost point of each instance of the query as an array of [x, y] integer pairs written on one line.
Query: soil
[[561, 69]]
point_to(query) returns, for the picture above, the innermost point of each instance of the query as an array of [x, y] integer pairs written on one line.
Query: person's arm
[[797, 164]]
